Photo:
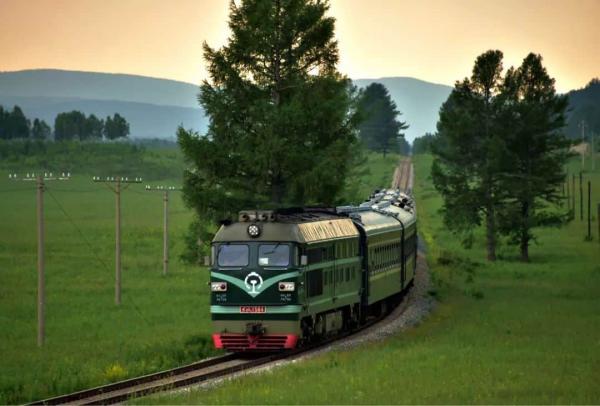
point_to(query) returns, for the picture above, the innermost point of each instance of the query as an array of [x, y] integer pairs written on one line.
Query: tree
[[93, 127], [282, 124], [537, 151], [3, 121], [423, 144], [14, 124], [69, 126], [40, 130], [468, 153], [116, 127], [380, 131]]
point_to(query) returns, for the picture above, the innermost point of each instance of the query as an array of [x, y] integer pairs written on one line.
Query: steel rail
[[189, 374]]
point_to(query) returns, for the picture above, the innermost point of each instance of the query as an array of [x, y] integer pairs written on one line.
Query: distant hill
[[98, 86], [155, 107], [584, 104]]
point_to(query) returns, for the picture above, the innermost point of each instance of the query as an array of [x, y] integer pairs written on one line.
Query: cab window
[[233, 255], [273, 255]]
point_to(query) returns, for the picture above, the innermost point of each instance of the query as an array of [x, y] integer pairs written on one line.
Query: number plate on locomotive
[[253, 309]]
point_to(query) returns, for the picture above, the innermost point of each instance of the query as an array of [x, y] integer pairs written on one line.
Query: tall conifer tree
[[380, 129], [282, 122], [534, 117], [468, 152]]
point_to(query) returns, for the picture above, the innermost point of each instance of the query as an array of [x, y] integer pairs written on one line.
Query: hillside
[[584, 105], [98, 86], [155, 107]]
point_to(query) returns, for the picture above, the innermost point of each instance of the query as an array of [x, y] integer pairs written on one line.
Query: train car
[[283, 278]]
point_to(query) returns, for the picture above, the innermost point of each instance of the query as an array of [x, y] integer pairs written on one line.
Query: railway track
[[187, 375], [403, 176]]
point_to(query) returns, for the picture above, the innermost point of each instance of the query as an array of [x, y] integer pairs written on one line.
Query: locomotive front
[[255, 284]]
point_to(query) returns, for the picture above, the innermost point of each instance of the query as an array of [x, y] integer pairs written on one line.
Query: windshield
[[233, 255], [273, 255]]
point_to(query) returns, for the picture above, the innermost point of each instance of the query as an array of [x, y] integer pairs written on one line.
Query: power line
[[92, 249]]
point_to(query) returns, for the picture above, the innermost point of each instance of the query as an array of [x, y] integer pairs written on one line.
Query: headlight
[[253, 230], [287, 286], [218, 286]]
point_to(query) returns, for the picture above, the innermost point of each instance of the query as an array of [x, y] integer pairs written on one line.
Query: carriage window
[[273, 255], [233, 255]]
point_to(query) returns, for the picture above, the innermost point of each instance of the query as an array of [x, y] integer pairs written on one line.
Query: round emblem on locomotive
[[253, 282]]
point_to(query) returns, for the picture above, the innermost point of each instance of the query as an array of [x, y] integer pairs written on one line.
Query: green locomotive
[[281, 278]]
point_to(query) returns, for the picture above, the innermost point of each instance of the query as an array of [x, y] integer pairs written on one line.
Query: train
[[282, 278]]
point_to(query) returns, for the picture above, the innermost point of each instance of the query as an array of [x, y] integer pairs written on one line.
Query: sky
[[432, 40]]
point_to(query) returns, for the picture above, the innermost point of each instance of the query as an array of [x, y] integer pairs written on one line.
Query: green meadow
[[163, 321], [506, 332]]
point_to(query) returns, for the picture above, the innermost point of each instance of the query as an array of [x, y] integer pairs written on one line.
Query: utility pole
[[589, 219], [582, 126], [581, 196], [593, 152], [165, 190], [41, 286], [117, 181], [573, 196]]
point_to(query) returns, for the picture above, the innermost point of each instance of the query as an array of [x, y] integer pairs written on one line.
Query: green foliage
[[466, 170], [92, 158], [536, 151], [70, 126], [380, 129], [282, 121], [76, 126], [424, 144], [115, 127], [500, 153], [40, 130], [13, 124]]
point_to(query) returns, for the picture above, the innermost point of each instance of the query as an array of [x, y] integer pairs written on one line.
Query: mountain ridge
[[43, 92]]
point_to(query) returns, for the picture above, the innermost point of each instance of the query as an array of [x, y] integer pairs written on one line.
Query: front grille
[[242, 342]]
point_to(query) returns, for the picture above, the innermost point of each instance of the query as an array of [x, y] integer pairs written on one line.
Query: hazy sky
[[431, 40]]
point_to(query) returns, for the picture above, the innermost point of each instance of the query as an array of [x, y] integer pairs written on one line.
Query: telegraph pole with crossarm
[[165, 190], [115, 183], [40, 180]]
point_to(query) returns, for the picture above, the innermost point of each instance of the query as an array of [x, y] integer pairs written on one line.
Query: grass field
[[502, 333], [163, 320]]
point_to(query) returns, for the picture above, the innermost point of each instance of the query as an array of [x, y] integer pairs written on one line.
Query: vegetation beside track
[[506, 332], [164, 321]]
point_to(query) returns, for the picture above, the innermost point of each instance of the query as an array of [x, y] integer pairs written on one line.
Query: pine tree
[[282, 124], [468, 152], [534, 116], [40, 130], [380, 129]]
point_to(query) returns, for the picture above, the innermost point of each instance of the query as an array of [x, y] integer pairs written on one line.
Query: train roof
[[292, 225]]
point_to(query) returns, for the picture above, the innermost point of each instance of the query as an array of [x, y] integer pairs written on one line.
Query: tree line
[[500, 151], [72, 125]]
